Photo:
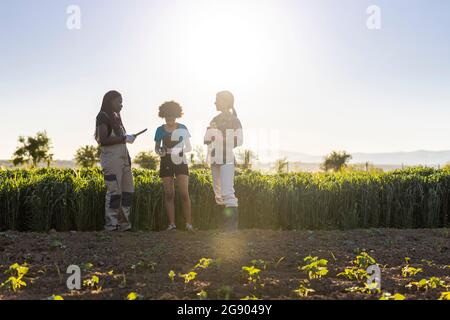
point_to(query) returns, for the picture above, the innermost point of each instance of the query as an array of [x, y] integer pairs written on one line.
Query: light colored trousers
[[119, 184], [223, 185]]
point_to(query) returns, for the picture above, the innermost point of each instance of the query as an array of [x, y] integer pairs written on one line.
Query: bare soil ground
[[140, 262]]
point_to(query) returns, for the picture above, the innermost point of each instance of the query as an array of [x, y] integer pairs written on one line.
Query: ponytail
[[234, 111]]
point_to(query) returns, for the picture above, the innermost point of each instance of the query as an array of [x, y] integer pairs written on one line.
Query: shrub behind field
[[66, 199]]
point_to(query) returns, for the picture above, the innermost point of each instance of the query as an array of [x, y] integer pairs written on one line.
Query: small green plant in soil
[[204, 263], [304, 290], [188, 277], [364, 260], [93, 283], [427, 284], [366, 289], [315, 268], [354, 273], [388, 296], [15, 282], [252, 275], [202, 295]]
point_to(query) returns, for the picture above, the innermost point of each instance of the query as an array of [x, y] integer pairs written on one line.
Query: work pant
[[223, 185], [116, 165]]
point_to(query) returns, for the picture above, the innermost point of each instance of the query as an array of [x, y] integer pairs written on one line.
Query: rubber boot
[[231, 223], [220, 218]]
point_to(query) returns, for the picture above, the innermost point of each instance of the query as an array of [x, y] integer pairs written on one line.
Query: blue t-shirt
[[172, 139]]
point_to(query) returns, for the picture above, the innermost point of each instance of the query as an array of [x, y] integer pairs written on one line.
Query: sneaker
[[172, 227], [125, 227], [111, 228], [189, 228]]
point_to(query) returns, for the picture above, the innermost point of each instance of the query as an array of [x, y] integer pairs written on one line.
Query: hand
[[161, 152], [130, 138], [209, 134]]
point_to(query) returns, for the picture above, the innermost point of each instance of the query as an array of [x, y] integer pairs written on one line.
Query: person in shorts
[[172, 142]]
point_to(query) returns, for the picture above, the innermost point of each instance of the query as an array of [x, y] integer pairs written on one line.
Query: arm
[[239, 134], [239, 138], [184, 144], [158, 140], [104, 140], [188, 145], [158, 150], [207, 139]]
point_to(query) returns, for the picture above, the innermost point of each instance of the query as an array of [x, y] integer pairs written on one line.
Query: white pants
[[223, 185]]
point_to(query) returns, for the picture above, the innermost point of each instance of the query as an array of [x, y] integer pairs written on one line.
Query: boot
[[123, 227], [231, 220], [124, 223]]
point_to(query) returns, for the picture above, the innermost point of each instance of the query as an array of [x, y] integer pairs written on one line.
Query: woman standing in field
[[116, 163], [223, 135], [172, 141]]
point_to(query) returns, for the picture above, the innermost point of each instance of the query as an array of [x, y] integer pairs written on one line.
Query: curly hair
[[170, 109]]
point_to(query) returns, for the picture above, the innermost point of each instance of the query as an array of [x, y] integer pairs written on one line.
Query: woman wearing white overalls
[[223, 135]]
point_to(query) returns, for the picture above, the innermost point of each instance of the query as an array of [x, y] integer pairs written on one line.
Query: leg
[[113, 177], [227, 186], [231, 214], [127, 197], [169, 197], [183, 186], [215, 171]]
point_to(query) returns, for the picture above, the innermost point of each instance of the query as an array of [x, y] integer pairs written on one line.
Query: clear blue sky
[[309, 70]]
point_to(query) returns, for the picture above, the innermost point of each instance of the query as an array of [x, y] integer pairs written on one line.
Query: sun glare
[[228, 41]]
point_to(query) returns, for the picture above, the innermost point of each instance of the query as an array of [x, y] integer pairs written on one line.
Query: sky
[[308, 76]]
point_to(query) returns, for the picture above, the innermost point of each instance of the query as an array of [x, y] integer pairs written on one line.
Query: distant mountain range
[[414, 158]]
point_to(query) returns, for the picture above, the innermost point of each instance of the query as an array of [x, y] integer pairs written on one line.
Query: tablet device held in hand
[[142, 132]]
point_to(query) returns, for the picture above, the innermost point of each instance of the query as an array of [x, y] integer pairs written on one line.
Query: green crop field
[[65, 199]]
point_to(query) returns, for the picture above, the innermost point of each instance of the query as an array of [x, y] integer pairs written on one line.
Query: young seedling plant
[[15, 282], [364, 260], [134, 296], [93, 283], [250, 298], [54, 298], [252, 275], [427, 284], [303, 290], [202, 295], [445, 296], [188, 277], [359, 273], [354, 273], [315, 268], [371, 288], [408, 271], [204, 263], [172, 275], [388, 296]]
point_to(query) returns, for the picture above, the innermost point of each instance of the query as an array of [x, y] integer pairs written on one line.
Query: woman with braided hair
[[111, 135]]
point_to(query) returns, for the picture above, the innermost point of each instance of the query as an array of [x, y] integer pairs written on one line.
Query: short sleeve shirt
[[172, 139]]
